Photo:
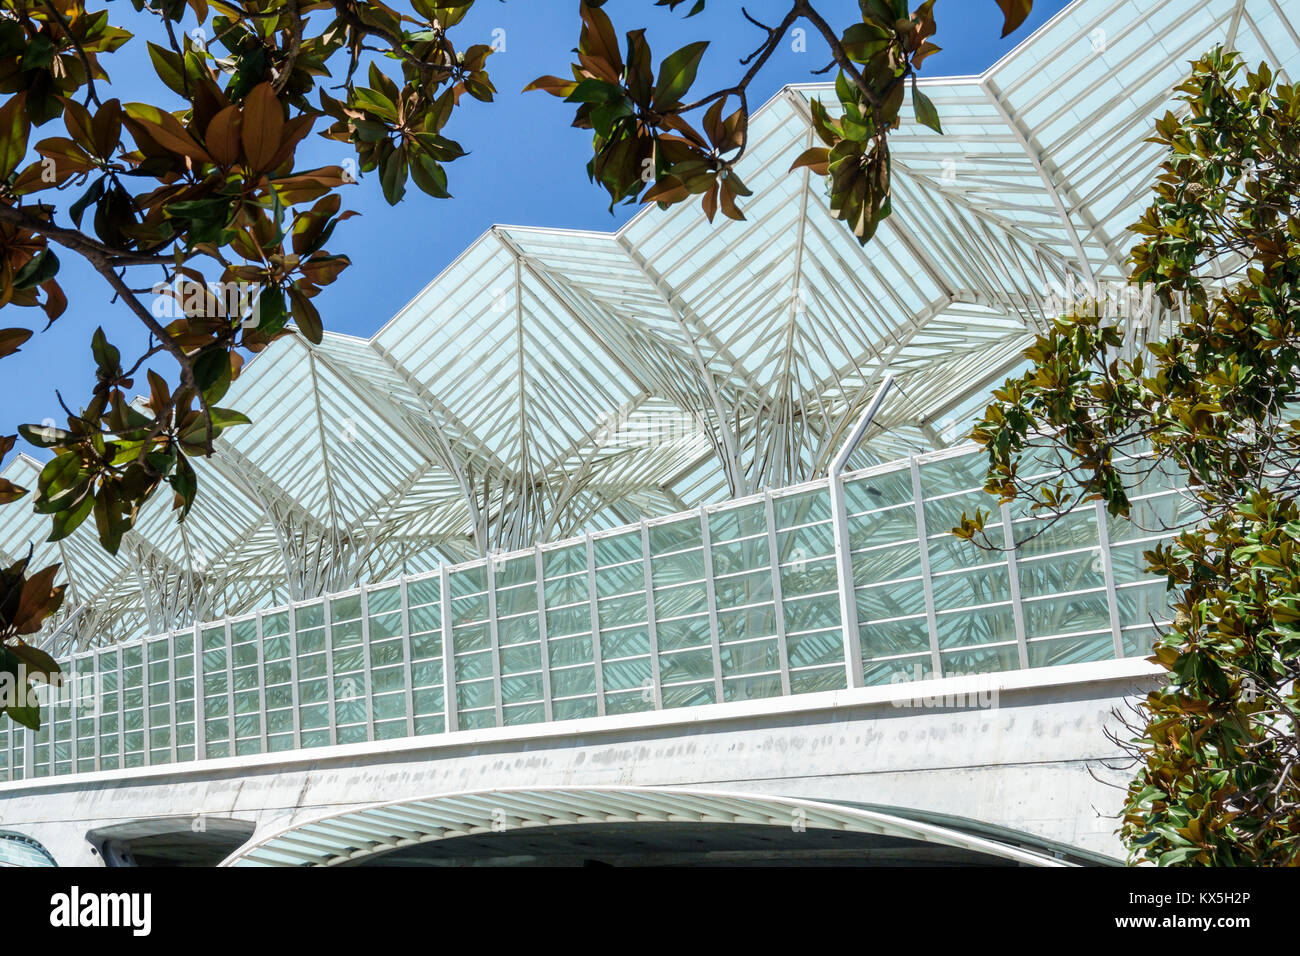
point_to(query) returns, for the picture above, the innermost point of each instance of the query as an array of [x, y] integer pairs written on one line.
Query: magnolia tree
[[203, 188], [1218, 744]]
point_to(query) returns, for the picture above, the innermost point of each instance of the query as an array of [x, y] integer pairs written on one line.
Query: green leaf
[[862, 41], [392, 176], [14, 127], [305, 314], [225, 417], [677, 73], [44, 436], [42, 267], [107, 357], [37, 661], [29, 717], [185, 484], [66, 522], [592, 90], [212, 373], [170, 67], [271, 313], [88, 198], [926, 114], [430, 177]]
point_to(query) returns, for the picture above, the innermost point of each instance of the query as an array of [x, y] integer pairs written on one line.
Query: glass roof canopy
[[552, 382]]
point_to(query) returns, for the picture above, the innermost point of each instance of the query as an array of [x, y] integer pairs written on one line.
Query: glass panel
[[674, 535], [968, 588], [897, 670], [898, 599], [1071, 650], [728, 524], [802, 508], [889, 639], [615, 549], [1055, 574], [972, 627], [561, 561], [1066, 615], [422, 591], [874, 492]]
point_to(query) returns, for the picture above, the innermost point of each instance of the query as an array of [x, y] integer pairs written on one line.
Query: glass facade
[[731, 602]]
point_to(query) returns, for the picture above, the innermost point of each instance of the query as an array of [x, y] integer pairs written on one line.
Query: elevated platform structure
[[741, 601], [1019, 759]]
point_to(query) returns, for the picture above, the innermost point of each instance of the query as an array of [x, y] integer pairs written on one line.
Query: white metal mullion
[[596, 662], [408, 672], [335, 537], [1014, 254], [926, 578], [494, 640], [942, 217], [73, 733], [293, 677], [1087, 125], [121, 709], [230, 685], [171, 693], [852, 637], [327, 608], [543, 646], [365, 665], [146, 721], [29, 736], [1017, 607], [96, 690], [450, 720], [706, 375], [425, 822], [1108, 569], [651, 630], [778, 597], [1282, 18], [261, 685], [1269, 55], [711, 595], [1087, 66], [1036, 160], [200, 692]]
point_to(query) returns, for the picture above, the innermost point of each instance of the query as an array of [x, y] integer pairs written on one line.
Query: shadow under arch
[[644, 825]]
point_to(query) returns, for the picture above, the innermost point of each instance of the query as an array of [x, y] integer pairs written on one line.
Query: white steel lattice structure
[[742, 601], [551, 383]]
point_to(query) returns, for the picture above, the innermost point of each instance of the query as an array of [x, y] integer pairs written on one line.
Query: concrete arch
[[367, 833]]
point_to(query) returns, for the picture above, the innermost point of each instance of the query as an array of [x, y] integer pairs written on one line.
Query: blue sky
[[526, 167]]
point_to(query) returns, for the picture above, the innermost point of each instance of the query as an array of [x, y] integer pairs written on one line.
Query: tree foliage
[[1218, 748], [203, 187], [648, 148], [26, 600]]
